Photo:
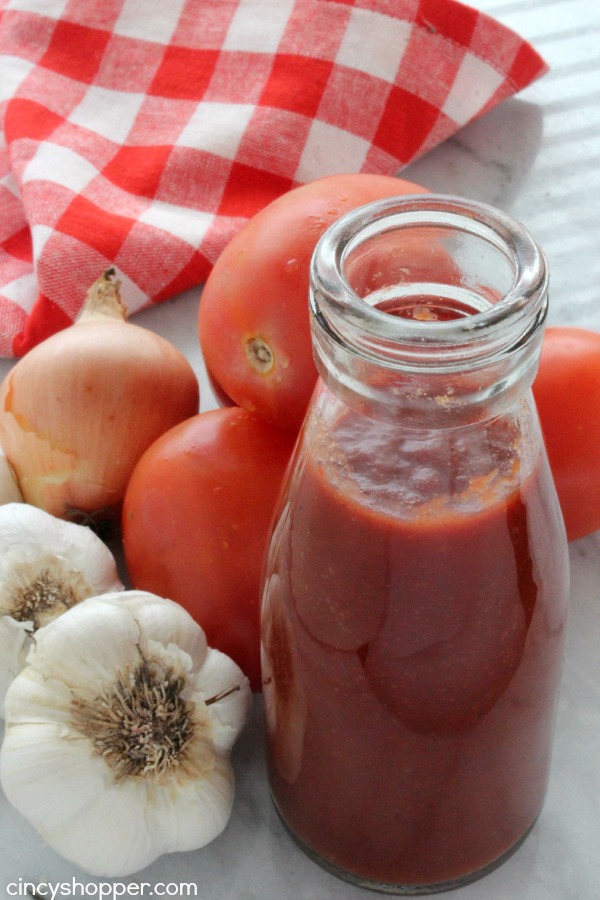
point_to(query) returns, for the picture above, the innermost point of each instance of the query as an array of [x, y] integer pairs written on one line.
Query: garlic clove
[[50, 777], [218, 684], [84, 664], [176, 628], [15, 642], [200, 812], [39, 700], [111, 837]]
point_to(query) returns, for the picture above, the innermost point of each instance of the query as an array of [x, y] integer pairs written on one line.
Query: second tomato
[[567, 394], [254, 322], [196, 519]]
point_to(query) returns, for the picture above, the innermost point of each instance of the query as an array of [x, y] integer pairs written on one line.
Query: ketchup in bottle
[[416, 585]]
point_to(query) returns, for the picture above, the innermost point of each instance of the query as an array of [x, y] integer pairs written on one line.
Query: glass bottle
[[416, 585]]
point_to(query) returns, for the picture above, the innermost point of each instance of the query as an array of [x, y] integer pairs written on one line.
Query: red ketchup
[[419, 662], [416, 586]]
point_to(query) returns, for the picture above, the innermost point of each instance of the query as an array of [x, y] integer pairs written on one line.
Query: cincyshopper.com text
[[102, 890]]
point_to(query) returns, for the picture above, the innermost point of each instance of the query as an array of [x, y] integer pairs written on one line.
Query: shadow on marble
[[487, 160]]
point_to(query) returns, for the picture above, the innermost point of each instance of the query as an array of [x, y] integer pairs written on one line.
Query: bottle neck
[[430, 308]]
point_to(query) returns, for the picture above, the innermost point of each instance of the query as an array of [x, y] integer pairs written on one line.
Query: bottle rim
[[374, 334]]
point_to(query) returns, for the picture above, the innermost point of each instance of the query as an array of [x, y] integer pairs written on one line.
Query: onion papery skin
[[79, 409]]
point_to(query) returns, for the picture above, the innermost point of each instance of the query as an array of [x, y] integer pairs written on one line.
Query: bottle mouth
[[428, 280]]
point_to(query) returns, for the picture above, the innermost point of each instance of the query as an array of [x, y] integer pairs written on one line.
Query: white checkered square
[[40, 234], [13, 71], [52, 8], [374, 43], [135, 21], [200, 131], [177, 221], [330, 150], [68, 168], [108, 113], [258, 26], [475, 83], [18, 291]]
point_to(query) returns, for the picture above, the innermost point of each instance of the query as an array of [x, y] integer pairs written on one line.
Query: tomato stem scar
[[259, 355]]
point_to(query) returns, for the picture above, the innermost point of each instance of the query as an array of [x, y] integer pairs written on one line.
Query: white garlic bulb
[[118, 733], [47, 565]]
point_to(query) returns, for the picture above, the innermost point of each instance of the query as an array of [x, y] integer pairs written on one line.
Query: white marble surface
[[538, 157]]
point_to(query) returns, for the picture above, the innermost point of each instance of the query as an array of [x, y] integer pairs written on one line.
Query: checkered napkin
[[143, 133]]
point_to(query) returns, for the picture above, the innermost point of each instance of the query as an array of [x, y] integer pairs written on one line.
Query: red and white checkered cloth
[[143, 133]]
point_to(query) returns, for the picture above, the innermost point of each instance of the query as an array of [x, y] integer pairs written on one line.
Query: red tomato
[[567, 394], [254, 321], [196, 520]]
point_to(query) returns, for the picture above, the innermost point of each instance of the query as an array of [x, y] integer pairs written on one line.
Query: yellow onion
[[9, 489], [80, 408]]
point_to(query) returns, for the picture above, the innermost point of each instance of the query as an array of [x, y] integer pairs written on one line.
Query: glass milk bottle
[[416, 586]]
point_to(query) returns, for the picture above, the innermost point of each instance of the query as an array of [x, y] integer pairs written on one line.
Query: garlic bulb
[[118, 733], [46, 566]]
